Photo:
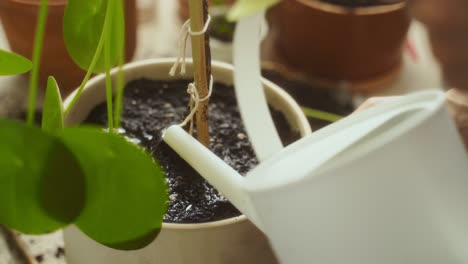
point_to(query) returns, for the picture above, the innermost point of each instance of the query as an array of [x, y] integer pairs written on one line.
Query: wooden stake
[[202, 65]]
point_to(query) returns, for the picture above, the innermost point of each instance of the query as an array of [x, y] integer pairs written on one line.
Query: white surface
[[46, 246]]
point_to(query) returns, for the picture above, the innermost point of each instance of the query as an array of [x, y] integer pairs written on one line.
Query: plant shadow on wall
[[54, 176]]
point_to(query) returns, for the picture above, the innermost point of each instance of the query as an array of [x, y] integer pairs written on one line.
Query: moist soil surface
[[151, 106], [309, 95], [361, 3]]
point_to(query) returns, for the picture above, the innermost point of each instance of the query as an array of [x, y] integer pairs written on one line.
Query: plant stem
[[119, 95], [120, 74], [107, 49], [321, 115], [92, 66], [38, 42], [202, 65]]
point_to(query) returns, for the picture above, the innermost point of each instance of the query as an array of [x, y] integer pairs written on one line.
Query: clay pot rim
[[371, 84], [38, 2], [342, 10]]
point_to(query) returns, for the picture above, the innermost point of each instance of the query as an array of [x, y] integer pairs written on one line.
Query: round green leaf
[[83, 28], [12, 64], [41, 183], [126, 192]]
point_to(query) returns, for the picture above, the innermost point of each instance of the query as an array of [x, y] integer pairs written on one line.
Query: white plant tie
[[182, 44], [195, 101]]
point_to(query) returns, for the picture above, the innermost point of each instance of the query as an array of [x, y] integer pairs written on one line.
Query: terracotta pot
[[335, 43], [234, 240], [19, 22]]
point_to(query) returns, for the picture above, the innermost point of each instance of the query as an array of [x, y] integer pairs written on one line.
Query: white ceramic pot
[[221, 51], [235, 240]]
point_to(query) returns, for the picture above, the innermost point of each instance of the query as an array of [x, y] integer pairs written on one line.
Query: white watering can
[[388, 185]]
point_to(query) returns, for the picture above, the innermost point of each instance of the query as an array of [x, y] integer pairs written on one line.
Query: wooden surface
[[157, 37]]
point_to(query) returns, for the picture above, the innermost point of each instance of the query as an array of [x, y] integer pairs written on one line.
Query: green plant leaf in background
[[41, 183], [88, 26], [12, 64], [52, 118], [126, 190], [83, 29], [321, 115], [244, 8]]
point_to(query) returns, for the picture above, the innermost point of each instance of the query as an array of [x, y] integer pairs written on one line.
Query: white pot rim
[[304, 130]]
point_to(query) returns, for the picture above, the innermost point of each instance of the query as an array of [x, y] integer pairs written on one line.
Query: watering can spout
[[219, 174]]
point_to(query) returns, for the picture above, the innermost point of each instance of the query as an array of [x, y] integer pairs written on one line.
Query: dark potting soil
[[151, 106], [306, 94], [361, 3]]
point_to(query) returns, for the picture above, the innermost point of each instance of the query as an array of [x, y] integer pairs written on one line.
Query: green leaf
[[244, 8], [108, 65], [120, 80], [36, 59], [126, 192], [12, 64], [41, 183], [83, 27], [52, 118], [321, 115]]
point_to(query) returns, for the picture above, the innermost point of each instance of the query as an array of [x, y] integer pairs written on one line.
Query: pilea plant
[[54, 176]]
